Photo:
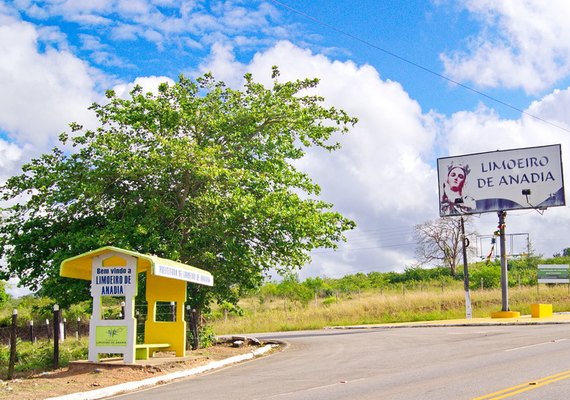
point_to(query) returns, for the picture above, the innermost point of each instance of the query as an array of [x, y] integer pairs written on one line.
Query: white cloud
[[386, 153], [134, 7], [125, 32], [384, 175], [553, 108], [222, 63], [148, 84], [166, 24], [380, 177], [73, 8], [483, 130], [42, 91], [13, 290], [522, 44], [10, 159]]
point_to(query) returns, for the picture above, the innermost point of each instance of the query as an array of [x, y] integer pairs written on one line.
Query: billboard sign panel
[[553, 273], [501, 180]]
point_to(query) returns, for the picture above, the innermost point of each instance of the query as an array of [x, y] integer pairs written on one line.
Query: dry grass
[[375, 307]]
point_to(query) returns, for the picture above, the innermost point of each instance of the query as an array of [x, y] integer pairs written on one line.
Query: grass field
[[376, 307]]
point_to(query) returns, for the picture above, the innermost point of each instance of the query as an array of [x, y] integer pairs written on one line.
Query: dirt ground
[[82, 377]]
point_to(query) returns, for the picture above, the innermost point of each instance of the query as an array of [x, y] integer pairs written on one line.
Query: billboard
[[553, 273], [501, 180]]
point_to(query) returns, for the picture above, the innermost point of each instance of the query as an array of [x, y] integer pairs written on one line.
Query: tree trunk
[[195, 300], [195, 317]]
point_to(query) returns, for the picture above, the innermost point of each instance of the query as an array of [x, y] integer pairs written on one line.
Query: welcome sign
[[113, 281], [501, 180]]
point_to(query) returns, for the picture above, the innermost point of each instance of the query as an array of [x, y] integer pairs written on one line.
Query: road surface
[[485, 362]]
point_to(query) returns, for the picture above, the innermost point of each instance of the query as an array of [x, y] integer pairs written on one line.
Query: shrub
[[329, 300], [206, 336], [36, 357], [489, 276]]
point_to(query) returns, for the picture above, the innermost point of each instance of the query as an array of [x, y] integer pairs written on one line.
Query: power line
[[369, 236], [378, 237], [342, 249], [415, 64], [382, 230]]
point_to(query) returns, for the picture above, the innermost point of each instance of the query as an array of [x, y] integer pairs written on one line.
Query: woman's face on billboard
[[456, 179]]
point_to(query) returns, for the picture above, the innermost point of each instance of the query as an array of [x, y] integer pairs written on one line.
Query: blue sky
[[61, 55], [126, 44]]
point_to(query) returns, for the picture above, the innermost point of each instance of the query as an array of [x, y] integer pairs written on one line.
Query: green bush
[[206, 337], [37, 357], [329, 300], [487, 275]]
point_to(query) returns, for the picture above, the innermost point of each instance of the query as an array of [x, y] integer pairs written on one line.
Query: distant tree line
[[483, 275]]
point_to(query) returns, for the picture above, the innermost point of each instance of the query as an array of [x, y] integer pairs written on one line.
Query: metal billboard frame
[[501, 180]]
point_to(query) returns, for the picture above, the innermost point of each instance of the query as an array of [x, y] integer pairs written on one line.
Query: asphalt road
[[394, 363]]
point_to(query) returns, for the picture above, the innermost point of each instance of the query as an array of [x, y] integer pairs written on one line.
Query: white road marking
[[536, 345]]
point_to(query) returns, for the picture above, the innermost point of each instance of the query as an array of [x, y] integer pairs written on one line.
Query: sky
[[426, 79]]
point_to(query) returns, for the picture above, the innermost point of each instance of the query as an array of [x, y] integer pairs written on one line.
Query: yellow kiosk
[[114, 272]]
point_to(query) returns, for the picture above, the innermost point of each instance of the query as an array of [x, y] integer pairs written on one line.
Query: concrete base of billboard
[[505, 314], [541, 310]]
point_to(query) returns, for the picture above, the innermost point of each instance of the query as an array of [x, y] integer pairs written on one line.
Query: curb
[[448, 325], [136, 385], [523, 321]]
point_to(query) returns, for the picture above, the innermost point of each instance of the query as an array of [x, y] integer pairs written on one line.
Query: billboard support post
[[468, 309], [504, 270]]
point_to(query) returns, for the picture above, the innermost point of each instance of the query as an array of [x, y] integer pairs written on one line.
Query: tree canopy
[[441, 240], [197, 172], [4, 297]]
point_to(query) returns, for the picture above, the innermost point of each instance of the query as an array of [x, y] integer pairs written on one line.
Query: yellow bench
[[146, 350]]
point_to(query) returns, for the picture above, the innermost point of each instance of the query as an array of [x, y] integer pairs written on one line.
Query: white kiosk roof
[[79, 267]]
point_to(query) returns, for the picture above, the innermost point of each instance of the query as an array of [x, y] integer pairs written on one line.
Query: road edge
[[137, 385]]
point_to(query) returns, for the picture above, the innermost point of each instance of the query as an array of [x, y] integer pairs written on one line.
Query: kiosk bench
[[146, 350]]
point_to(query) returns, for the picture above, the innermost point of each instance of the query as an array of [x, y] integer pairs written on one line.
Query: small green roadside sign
[[111, 336], [553, 273]]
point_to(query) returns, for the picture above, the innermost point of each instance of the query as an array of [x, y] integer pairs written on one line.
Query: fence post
[[12, 345], [55, 336], [48, 331], [32, 331], [173, 311], [194, 325], [77, 331], [188, 316]]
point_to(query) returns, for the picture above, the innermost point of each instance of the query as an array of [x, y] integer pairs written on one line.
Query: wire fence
[[58, 330], [38, 329], [33, 331]]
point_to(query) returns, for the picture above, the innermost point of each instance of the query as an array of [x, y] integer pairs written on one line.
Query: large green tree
[[4, 297], [197, 172]]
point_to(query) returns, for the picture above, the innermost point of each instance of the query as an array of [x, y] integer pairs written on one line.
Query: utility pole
[[468, 309], [504, 270]]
